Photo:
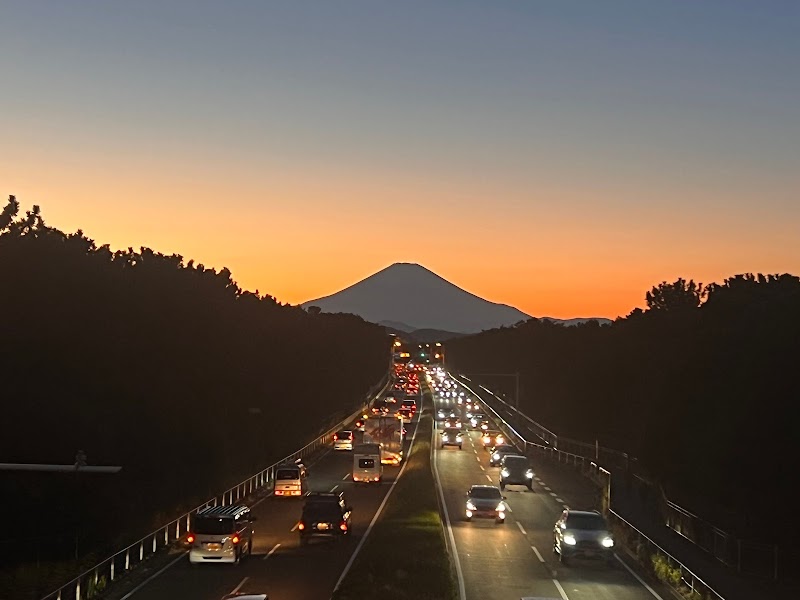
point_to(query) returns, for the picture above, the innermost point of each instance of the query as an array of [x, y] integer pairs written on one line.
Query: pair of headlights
[[500, 507], [570, 540]]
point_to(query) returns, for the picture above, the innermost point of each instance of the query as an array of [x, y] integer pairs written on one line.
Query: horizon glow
[[559, 157]]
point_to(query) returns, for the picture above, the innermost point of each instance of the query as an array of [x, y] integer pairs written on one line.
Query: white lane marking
[[536, 552], [346, 477], [271, 552], [521, 528], [561, 590], [508, 507], [462, 592], [547, 488], [639, 579], [489, 478], [553, 494], [296, 525], [153, 576], [474, 450], [478, 458], [333, 489], [481, 466], [559, 500], [377, 514], [238, 587]]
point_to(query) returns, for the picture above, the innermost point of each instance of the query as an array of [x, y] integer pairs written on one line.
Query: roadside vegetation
[[156, 364], [697, 386], [405, 556]]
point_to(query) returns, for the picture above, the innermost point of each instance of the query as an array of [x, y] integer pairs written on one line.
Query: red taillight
[[190, 538], [235, 539], [343, 526], [301, 526], [335, 437]]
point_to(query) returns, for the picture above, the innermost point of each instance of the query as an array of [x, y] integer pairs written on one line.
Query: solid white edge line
[[333, 489], [462, 592], [153, 576], [536, 552], [561, 590], [241, 583], [521, 528], [639, 579], [271, 552], [375, 518]]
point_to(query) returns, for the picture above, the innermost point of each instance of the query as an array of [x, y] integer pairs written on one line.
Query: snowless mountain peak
[[409, 293]]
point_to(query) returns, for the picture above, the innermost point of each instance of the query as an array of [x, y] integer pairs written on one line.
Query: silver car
[[486, 501]]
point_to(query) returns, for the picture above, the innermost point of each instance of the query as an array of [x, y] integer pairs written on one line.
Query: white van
[[222, 534], [367, 464], [290, 480]]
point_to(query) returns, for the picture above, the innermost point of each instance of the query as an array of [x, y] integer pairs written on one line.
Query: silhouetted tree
[[679, 295]]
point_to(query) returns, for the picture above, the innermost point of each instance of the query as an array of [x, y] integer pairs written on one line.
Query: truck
[[388, 431], [367, 465]]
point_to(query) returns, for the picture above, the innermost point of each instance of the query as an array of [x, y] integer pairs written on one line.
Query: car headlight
[[486, 439], [504, 472], [569, 539], [500, 439], [496, 455], [500, 507], [608, 542], [470, 505], [445, 438], [529, 474], [458, 438]]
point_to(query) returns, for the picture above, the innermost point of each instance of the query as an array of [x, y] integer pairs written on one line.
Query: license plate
[[214, 546], [322, 525]]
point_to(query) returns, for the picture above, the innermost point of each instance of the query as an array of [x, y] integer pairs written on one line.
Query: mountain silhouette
[[408, 296]]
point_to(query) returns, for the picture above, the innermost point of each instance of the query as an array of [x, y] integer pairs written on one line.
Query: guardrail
[[665, 566], [96, 579]]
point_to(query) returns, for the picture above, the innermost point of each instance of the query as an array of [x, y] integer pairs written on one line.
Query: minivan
[[222, 534], [290, 480], [367, 464]]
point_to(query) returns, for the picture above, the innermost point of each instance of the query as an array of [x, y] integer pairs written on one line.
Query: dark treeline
[[159, 365], [700, 386]]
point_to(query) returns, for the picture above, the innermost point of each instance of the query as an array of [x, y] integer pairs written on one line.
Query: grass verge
[[405, 555]]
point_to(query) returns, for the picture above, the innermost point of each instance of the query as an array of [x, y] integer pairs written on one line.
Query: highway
[[279, 566], [514, 560]]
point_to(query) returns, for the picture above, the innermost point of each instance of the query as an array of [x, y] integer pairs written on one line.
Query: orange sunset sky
[[556, 160]]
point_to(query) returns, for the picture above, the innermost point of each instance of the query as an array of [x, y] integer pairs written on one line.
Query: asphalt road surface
[[513, 560], [278, 565]]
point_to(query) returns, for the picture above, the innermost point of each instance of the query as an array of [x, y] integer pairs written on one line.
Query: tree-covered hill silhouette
[[700, 386], [163, 366]]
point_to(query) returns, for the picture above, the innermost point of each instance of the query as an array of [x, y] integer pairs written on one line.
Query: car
[[516, 469], [441, 414], [290, 480], [409, 404], [485, 501], [343, 440], [407, 414], [475, 420], [583, 533], [220, 534], [492, 438], [325, 514], [452, 423], [451, 437], [498, 452]]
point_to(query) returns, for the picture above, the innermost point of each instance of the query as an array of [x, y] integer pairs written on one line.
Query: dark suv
[[499, 451], [515, 470], [325, 514], [582, 533]]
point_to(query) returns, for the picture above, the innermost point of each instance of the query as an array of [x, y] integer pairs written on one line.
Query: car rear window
[[288, 474], [366, 463], [213, 525], [345, 435]]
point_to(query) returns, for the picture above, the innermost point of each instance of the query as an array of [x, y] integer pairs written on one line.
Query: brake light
[[190, 538], [235, 539], [335, 437], [343, 526], [301, 526]]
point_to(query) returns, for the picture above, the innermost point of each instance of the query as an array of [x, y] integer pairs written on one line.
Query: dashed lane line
[[521, 528], [238, 587], [536, 552], [271, 552]]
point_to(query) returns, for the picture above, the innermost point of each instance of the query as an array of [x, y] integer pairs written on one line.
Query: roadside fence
[[95, 580]]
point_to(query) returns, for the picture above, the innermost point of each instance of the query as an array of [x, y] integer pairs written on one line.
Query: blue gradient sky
[[562, 157]]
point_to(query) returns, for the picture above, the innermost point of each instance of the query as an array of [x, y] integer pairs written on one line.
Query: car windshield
[[345, 435], [213, 525], [287, 474], [516, 462], [451, 432], [321, 511], [589, 522], [486, 493]]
